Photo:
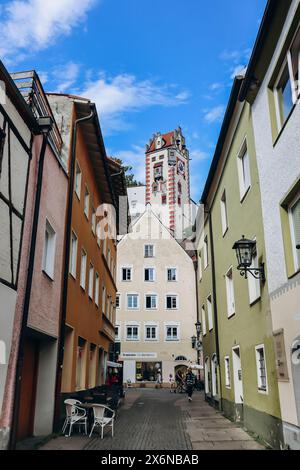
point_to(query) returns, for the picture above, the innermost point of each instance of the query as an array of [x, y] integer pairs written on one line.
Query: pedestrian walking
[[158, 378], [190, 380], [179, 381], [172, 383]]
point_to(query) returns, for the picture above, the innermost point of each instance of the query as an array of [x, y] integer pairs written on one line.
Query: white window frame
[[227, 372], [259, 381], [169, 268], [77, 187], [49, 252], [154, 274], [118, 336], [103, 299], [138, 301], [91, 281], [205, 252], [151, 294], [254, 288], [94, 221], [119, 296], [73, 255], [97, 288], [203, 320], [133, 325], [153, 250], [224, 212], [131, 273], [151, 325], [210, 312], [231, 309], [243, 183], [200, 266], [295, 91], [86, 202], [83, 271], [172, 325], [292, 231], [177, 301]]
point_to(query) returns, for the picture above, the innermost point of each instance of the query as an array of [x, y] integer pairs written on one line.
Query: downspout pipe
[[197, 304], [213, 270], [20, 359], [68, 232]]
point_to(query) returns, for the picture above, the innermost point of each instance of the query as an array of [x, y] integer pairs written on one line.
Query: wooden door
[[28, 390]]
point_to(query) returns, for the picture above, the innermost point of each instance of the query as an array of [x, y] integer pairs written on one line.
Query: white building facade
[[168, 180], [156, 302], [276, 118]]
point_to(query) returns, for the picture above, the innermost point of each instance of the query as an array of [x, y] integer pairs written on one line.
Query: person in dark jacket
[[190, 380]]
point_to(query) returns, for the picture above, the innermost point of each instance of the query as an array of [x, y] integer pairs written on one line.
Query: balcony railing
[[32, 90]]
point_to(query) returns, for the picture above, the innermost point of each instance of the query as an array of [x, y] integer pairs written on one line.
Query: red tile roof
[[167, 139]]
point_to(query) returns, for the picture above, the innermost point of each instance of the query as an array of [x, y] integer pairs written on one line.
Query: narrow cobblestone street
[[158, 420]]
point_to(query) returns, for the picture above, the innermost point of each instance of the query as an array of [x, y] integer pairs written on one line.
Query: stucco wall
[[279, 167], [168, 253]]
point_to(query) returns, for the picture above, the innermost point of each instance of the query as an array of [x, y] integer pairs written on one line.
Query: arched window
[[180, 358]]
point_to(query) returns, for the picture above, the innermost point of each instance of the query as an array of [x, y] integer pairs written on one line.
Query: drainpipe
[[45, 124], [213, 270], [68, 232], [195, 263]]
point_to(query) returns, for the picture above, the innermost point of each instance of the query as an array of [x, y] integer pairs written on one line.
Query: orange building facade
[[91, 289]]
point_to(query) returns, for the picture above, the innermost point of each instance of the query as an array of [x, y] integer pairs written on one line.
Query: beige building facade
[[156, 303]]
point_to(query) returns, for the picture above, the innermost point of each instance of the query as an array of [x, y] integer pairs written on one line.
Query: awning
[[113, 364], [196, 366]]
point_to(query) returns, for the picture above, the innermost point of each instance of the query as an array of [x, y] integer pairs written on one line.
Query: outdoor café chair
[[74, 415], [101, 420]]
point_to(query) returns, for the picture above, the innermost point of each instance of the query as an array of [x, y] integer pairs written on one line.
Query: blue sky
[[150, 65]]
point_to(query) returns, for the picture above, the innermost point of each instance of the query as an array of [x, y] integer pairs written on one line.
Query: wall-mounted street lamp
[[194, 340], [198, 327], [245, 252]]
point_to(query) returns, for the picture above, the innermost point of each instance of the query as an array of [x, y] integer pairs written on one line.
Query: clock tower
[[168, 180]]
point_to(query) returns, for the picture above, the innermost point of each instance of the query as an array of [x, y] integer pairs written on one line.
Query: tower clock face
[[180, 167]]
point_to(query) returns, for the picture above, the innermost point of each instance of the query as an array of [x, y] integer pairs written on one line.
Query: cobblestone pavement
[[158, 420]]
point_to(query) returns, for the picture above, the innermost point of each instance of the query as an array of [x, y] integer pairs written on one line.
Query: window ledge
[[255, 301], [231, 315], [262, 391], [294, 274], [224, 233], [245, 194], [50, 278], [284, 125]]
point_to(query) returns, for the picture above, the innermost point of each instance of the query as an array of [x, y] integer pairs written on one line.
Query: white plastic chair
[[101, 420], [74, 415], [129, 384]]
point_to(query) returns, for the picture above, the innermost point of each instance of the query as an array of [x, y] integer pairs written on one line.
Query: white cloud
[[66, 75], [216, 86], [198, 155], [119, 95], [31, 25], [215, 114], [134, 157], [230, 56]]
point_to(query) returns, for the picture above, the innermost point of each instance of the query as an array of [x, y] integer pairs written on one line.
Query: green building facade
[[238, 349]]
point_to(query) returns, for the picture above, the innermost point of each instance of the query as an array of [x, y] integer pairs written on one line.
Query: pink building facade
[[29, 404]]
